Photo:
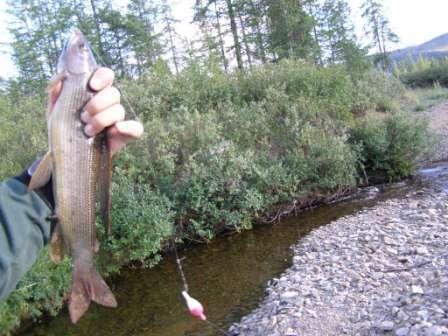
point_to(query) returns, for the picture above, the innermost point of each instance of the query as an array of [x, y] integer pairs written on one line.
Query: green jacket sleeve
[[24, 230]]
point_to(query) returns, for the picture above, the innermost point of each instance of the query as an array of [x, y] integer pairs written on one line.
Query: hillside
[[435, 48]]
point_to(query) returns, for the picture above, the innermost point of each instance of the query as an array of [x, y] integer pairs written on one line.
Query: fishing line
[[179, 265], [185, 285], [122, 91], [218, 328], [173, 239]]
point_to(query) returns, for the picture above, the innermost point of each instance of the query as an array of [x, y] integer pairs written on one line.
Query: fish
[[79, 168]]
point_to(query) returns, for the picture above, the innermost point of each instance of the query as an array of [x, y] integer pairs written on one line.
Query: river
[[228, 275]]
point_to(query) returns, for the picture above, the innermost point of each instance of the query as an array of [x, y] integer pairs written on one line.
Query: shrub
[[22, 133], [219, 151], [141, 223], [391, 146], [434, 72]]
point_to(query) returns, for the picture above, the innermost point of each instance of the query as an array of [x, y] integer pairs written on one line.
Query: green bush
[[392, 146], [43, 289], [218, 152], [22, 133], [434, 72], [142, 221]]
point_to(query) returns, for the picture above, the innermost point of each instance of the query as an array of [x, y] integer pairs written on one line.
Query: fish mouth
[[77, 39], [76, 56]]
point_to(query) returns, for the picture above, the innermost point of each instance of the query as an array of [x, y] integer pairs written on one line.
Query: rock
[[350, 276], [389, 241], [386, 326], [403, 331], [291, 332], [402, 316], [424, 314], [436, 331], [417, 290], [287, 296], [422, 250]]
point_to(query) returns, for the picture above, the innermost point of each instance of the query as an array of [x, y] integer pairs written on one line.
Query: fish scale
[[74, 162], [76, 158]]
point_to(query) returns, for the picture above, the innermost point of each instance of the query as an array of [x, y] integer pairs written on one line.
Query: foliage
[[141, 223], [219, 151], [43, 290], [391, 147], [425, 98], [22, 132], [424, 73], [377, 27]]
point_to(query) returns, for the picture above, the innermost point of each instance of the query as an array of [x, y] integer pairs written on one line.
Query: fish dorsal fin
[[42, 174]]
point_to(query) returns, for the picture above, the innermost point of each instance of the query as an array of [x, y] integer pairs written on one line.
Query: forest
[[275, 105]]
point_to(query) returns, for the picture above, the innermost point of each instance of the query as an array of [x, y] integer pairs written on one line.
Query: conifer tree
[[377, 27], [290, 29], [169, 33], [143, 41]]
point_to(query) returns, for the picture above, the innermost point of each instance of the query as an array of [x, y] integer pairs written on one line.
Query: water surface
[[228, 276]]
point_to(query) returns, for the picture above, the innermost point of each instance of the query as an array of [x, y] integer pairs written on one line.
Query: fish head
[[76, 57]]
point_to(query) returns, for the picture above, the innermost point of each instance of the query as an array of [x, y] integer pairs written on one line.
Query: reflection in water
[[228, 276]]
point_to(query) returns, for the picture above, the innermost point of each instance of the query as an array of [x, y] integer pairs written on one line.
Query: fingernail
[[88, 130], [84, 116], [95, 83]]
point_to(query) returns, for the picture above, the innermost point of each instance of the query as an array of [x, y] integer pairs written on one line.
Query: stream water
[[228, 276]]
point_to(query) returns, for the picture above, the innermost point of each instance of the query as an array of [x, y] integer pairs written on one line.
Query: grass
[[422, 99]]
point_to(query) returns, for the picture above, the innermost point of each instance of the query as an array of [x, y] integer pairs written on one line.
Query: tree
[[140, 28], [338, 34], [289, 29], [377, 27], [256, 22], [315, 10], [209, 18], [235, 34], [170, 33]]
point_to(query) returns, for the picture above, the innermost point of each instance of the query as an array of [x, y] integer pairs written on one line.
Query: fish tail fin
[[87, 286]]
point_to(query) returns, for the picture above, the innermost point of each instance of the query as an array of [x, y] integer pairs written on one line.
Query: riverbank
[[438, 122], [381, 271]]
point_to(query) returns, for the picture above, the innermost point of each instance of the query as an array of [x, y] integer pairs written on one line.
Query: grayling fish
[[79, 166]]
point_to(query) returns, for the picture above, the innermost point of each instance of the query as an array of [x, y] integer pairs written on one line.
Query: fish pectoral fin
[[87, 286], [57, 245], [52, 90], [42, 174]]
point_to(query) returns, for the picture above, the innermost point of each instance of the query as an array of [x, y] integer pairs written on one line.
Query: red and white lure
[[194, 306]]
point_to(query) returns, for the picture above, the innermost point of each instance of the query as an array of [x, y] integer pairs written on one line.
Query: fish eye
[[82, 45]]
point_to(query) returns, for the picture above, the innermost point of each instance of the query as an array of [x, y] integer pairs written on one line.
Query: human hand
[[103, 110]]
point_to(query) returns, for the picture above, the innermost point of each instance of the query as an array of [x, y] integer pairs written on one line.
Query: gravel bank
[[438, 121], [383, 271]]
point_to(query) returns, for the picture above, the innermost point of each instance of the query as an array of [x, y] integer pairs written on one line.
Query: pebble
[[436, 331], [386, 326], [364, 274], [417, 290], [404, 331]]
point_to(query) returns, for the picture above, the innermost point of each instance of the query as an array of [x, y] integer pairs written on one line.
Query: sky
[[414, 21]]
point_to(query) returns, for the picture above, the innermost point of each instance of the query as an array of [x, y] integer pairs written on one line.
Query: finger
[[122, 133], [103, 77], [102, 100], [106, 118], [127, 129]]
